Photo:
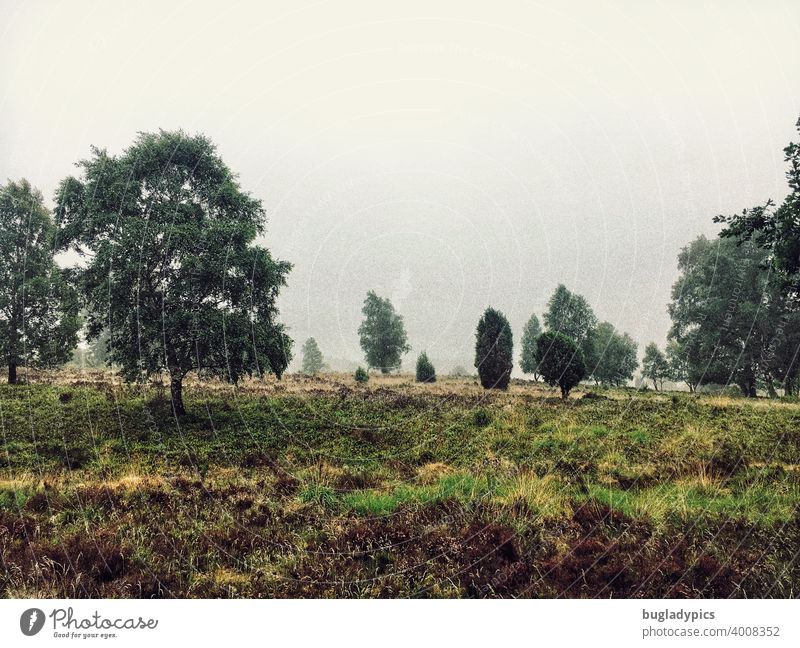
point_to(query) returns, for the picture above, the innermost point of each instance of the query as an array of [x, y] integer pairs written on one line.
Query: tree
[[171, 269], [614, 354], [560, 361], [571, 315], [361, 376], [655, 366], [39, 313], [731, 320], [494, 350], [312, 357], [92, 355], [425, 370], [775, 230], [530, 334], [680, 364], [383, 336], [783, 352]]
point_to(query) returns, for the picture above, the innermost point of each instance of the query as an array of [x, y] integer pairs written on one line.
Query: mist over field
[[418, 300], [448, 159]]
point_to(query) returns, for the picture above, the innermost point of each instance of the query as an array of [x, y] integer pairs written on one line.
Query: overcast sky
[[449, 155]]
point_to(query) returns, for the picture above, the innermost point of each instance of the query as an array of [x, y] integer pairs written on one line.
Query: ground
[[319, 487]]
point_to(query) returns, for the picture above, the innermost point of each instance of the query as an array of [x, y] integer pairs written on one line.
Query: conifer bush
[[425, 370]]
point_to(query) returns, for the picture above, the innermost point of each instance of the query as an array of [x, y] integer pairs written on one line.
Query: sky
[[448, 155]]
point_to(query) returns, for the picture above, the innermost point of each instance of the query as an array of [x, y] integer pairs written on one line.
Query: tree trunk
[[564, 393], [176, 393], [12, 373], [748, 389], [770, 387]]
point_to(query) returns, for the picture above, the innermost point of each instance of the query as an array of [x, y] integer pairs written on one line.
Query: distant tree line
[[572, 347], [171, 281]]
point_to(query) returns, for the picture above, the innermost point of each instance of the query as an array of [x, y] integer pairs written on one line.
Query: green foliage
[[730, 321], [425, 370], [494, 350], [614, 355], [361, 376], [561, 361], [39, 312], [481, 417], [382, 334], [681, 366], [570, 314], [189, 290], [463, 488], [320, 494], [312, 357], [655, 366], [767, 256], [530, 334], [774, 230], [93, 355]]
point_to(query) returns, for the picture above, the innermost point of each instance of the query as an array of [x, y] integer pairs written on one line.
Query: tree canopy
[[312, 357], [171, 271], [561, 361], [732, 323], [425, 370], [39, 309], [776, 230], [570, 314], [614, 355], [655, 366], [530, 335], [382, 334], [494, 350]]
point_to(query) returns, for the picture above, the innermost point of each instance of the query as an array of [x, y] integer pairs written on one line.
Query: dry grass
[[317, 486]]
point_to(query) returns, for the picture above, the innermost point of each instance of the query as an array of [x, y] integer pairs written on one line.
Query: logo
[[31, 621]]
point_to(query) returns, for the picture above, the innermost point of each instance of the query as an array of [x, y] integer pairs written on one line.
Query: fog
[[450, 156]]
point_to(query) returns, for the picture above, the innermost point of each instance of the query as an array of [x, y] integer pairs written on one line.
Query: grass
[[317, 486]]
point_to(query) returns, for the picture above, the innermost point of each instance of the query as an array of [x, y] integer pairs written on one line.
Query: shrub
[[494, 349], [481, 417], [425, 371], [560, 361], [361, 376]]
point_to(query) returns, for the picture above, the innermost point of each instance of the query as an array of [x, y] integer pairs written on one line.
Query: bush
[[361, 376], [560, 361], [425, 371], [494, 349], [481, 417]]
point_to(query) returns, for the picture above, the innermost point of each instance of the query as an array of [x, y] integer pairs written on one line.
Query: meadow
[[321, 487]]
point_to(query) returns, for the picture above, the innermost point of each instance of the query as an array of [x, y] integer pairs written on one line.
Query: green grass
[[463, 488], [394, 490]]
